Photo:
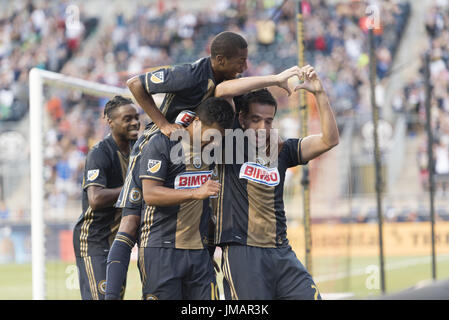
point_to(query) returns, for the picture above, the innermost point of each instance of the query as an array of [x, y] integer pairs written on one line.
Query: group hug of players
[[179, 211]]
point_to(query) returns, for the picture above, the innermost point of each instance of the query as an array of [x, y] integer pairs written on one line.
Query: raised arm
[[231, 88], [314, 145]]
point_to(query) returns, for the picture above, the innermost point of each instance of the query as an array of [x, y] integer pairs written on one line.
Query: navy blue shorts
[[177, 274], [92, 277], [254, 273]]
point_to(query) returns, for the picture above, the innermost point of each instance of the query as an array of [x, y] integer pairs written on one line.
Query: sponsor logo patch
[[154, 165], [260, 174], [92, 174], [157, 77], [192, 180]]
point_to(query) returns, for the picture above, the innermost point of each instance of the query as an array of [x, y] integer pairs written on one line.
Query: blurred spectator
[[34, 35], [437, 27], [40, 35], [442, 164], [4, 211]]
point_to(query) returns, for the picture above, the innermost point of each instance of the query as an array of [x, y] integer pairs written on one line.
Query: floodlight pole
[[431, 162], [377, 159], [304, 115]]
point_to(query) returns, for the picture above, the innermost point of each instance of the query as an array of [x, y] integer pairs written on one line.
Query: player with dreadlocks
[[104, 175]]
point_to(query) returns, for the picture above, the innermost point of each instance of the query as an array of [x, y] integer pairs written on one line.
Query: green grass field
[[331, 275]]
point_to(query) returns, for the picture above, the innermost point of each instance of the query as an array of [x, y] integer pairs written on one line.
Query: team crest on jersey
[[157, 77], [260, 174], [102, 286], [135, 196], [192, 179], [197, 162], [154, 165], [92, 174]]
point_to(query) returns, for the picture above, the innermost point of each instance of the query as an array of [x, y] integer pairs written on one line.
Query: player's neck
[[218, 76], [122, 144]]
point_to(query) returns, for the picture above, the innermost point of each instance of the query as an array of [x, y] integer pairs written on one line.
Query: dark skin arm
[[100, 197], [130, 224], [146, 102], [155, 194]]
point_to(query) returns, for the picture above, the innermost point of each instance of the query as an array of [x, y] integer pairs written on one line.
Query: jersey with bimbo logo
[[250, 207], [183, 226]]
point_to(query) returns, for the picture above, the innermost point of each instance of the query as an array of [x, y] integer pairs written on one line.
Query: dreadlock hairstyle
[[114, 104]]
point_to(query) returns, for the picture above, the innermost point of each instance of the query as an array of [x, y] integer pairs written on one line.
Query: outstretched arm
[[314, 145], [231, 88]]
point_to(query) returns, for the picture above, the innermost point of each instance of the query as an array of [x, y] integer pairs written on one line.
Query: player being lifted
[[257, 260], [185, 86], [104, 174]]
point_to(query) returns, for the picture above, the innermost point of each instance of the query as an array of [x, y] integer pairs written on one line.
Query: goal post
[[38, 78]]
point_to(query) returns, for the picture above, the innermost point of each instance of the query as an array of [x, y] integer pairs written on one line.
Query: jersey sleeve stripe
[[151, 177], [94, 184]]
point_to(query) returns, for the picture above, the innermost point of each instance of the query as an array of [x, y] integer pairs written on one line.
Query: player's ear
[[220, 59], [242, 120], [109, 120]]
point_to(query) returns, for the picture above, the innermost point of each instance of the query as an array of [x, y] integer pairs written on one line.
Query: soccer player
[[257, 260], [174, 260], [104, 174], [185, 86]]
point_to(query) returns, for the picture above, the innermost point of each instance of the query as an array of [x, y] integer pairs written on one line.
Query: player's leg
[[92, 277], [120, 253], [83, 277], [200, 283], [247, 273], [161, 272], [294, 282]]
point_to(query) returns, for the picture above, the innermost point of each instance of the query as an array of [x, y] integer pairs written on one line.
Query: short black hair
[[216, 110], [226, 44], [262, 96], [114, 103]]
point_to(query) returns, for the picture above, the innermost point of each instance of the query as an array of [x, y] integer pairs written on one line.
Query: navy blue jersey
[[250, 207], [183, 226], [186, 86], [95, 229]]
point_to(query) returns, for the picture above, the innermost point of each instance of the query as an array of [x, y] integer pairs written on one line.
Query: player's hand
[[208, 189], [312, 82], [282, 78], [169, 128]]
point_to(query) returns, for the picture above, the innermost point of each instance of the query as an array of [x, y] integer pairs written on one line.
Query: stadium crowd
[[34, 35], [165, 34], [412, 100]]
